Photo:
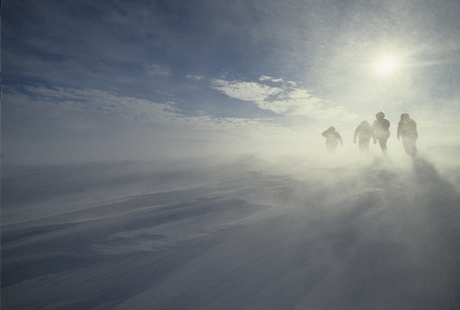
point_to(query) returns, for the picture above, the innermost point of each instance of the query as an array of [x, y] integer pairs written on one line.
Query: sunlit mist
[[387, 66], [249, 154]]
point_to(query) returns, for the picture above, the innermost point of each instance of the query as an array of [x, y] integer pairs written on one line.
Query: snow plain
[[241, 234]]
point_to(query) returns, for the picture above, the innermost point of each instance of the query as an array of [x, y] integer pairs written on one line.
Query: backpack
[[385, 124]]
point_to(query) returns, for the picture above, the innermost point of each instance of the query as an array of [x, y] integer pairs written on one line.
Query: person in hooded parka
[[407, 129], [333, 138], [364, 134], [381, 131]]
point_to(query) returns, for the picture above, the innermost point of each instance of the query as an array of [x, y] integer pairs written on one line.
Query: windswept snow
[[240, 235]]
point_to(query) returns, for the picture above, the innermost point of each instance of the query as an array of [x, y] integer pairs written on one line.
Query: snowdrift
[[239, 235]]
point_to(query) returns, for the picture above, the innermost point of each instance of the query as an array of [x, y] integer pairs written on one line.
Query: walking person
[[333, 138], [364, 134], [407, 129], [381, 131]]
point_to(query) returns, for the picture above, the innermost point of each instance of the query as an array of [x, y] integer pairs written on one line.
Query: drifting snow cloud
[[92, 125]]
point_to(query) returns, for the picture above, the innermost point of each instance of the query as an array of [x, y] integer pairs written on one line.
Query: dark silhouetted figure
[[407, 129], [333, 139], [381, 132], [364, 134]]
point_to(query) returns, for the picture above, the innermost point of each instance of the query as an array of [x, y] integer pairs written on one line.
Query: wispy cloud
[[286, 99], [246, 91], [269, 78], [63, 103], [157, 70], [195, 77]]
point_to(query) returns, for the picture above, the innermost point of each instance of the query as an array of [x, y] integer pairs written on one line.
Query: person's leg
[[413, 147], [383, 146], [364, 146], [406, 146]]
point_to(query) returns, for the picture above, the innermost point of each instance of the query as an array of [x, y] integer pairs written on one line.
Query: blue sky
[[96, 80]]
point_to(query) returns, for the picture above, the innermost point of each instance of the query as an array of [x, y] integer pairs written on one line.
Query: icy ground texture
[[241, 235]]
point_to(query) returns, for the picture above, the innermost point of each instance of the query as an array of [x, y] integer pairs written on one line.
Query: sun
[[386, 66]]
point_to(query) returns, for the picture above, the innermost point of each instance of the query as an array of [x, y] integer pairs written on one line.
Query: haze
[[88, 82], [168, 155]]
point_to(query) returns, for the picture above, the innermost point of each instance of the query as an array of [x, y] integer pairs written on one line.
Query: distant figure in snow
[[381, 132], [407, 129], [333, 139], [364, 134]]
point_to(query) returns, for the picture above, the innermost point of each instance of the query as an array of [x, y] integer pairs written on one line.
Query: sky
[[114, 80]]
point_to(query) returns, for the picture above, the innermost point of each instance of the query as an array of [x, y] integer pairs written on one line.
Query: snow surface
[[244, 234]]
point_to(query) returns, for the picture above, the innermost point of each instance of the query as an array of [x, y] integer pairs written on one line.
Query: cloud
[[195, 77], [269, 78], [92, 105], [287, 100], [61, 102], [156, 70], [246, 91]]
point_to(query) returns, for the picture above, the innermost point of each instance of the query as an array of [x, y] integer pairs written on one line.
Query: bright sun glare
[[386, 66]]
